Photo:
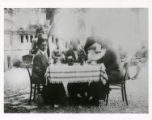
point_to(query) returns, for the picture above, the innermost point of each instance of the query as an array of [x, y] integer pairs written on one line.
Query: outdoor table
[[62, 74], [76, 73]]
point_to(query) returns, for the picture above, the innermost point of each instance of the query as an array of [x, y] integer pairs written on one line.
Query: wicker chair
[[34, 88], [27, 59]]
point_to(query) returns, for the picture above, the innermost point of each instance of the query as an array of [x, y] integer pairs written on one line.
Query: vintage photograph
[[76, 60]]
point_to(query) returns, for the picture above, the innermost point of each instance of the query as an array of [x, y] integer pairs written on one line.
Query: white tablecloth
[[75, 73]]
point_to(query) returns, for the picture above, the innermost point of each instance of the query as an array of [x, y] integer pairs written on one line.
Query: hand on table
[[133, 78], [78, 95]]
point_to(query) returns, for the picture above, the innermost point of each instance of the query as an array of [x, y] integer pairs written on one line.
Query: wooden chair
[[120, 85], [34, 88], [27, 59]]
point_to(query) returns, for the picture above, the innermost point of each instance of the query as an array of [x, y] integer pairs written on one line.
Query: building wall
[[15, 48]]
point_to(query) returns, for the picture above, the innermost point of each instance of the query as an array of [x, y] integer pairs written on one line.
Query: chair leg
[[34, 92], [122, 92], [125, 94], [30, 95], [38, 88], [107, 98]]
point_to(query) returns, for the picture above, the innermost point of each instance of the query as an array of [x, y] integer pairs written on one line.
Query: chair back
[[27, 59], [125, 68]]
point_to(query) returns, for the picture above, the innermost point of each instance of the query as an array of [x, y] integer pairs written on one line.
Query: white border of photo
[[72, 4]]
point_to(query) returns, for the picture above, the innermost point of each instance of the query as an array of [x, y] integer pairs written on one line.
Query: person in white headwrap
[[99, 52]]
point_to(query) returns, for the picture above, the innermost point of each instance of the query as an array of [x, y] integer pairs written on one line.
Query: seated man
[[76, 90], [75, 53], [40, 62], [54, 92]]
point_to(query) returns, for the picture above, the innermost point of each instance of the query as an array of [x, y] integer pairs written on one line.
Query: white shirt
[[44, 53]]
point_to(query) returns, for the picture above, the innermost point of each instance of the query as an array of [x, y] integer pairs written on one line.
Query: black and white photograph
[[76, 60]]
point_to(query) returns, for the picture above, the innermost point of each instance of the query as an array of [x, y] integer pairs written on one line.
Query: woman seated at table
[[76, 90], [99, 52]]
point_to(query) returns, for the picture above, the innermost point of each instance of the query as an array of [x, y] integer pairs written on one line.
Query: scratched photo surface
[[71, 59]]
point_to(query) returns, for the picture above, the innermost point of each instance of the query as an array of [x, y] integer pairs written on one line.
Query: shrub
[[16, 63]]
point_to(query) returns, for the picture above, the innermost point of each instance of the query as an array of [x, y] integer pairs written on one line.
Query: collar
[[42, 52]]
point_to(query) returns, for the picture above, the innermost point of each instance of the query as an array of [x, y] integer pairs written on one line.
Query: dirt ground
[[16, 95]]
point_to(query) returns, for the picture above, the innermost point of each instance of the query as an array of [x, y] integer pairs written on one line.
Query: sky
[[126, 28]]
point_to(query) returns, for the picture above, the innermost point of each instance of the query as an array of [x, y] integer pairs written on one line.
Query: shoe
[[86, 94], [56, 105], [90, 98], [80, 107], [95, 102], [78, 95]]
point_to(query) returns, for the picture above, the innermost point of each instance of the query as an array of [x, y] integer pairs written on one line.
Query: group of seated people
[[94, 52], [75, 54]]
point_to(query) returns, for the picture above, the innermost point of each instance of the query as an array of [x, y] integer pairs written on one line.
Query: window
[[26, 37], [52, 39], [31, 38], [22, 38]]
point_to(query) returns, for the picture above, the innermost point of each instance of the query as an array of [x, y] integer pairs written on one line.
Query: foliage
[[10, 11], [50, 13], [16, 63]]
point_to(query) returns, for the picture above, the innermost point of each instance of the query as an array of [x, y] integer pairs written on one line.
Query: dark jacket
[[40, 64], [113, 66]]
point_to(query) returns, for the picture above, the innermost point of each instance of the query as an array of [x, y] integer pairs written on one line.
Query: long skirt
[[54, 93]]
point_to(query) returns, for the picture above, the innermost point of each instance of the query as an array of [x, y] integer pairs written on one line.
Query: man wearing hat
[[53, 92], [40, 62], [39, 34]]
